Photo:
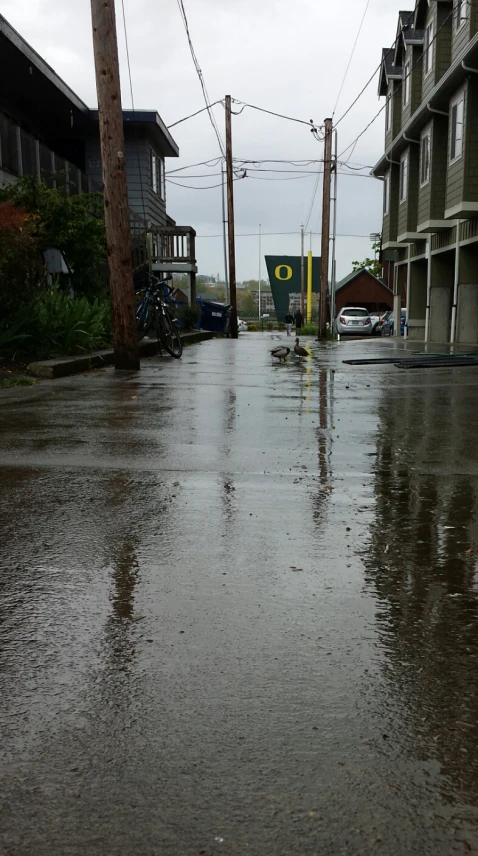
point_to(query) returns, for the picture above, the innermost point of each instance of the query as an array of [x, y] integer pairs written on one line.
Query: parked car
[[384, 318], [354, 320], [242, 326], [388, 327], [375, 319]]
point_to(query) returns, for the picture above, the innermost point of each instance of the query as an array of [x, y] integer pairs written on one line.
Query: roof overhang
[[33, 94], [148, 123]]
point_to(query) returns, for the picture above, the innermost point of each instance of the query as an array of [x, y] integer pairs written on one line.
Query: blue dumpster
[[215, 317]]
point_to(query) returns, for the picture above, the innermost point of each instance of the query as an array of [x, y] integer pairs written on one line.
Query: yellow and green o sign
[[283, 273]]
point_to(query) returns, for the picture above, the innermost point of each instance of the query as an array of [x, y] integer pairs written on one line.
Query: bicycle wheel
[[144, 318], [168, 334]]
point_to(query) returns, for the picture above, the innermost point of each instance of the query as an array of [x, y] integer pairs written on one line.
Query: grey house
[[430, 168], [47, 131]]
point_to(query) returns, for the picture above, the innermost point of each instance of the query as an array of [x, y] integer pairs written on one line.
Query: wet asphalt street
[[239, 608]]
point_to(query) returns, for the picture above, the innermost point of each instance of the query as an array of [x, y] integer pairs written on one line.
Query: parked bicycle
[[152, 313]]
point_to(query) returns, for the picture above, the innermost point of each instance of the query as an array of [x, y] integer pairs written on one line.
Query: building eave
[[36, 60]]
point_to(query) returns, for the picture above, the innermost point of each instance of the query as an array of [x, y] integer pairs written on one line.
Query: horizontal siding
[[430, 79], [456, 171], [461, 37], [439, 166], [443, 41], [471, 143], [141, 198], [412, 207], [425, 203]]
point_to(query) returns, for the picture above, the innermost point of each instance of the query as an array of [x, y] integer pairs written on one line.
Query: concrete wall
[[467, 299], [442, 275], [417, 300]]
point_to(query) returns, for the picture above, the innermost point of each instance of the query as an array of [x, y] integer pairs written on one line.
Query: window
[[456, 124], [429, 47], [404, 177], [154, 172], [407, 82], [388, 114], [386, 194], [425, 158], [460, 13], [157, 174]]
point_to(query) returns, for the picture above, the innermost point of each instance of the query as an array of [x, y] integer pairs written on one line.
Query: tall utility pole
[[118, 235], [230, 219], [334, 232], [224, 233], [324, 272], [260, 269], [302, 271]]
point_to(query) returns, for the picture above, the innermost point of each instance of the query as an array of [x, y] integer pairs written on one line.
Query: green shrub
[[13, 331], [309, 330], [189, 316], [63, 325], [252, 328]]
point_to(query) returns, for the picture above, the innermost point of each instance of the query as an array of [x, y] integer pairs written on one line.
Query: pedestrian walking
[[299, 320], [289, 320]]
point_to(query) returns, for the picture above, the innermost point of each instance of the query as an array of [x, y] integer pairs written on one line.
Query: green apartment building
[[430, 169]]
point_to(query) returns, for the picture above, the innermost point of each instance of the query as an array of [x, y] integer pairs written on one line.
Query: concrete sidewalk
[[239, 608]]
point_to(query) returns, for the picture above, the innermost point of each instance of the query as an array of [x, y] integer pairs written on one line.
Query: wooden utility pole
[[324, 262], [302, 272], [230, 219], [118, 235]]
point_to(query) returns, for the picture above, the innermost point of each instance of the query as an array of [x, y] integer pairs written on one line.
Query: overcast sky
[[283, 56]]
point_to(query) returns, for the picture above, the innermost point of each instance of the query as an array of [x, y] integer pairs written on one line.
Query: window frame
[[407, 82], [459, 98], [386, 194], [158, 178], [429, 49], [426, 135], [461, 14], [388, 114], [404, 172]]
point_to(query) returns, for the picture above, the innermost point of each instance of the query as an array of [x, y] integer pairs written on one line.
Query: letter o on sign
[[280, 270]]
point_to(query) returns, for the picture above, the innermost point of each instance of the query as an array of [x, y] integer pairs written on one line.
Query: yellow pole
[[309, 286]]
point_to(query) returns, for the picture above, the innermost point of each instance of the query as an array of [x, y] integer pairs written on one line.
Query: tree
[[71, 223], [373, 265], [249, 306]]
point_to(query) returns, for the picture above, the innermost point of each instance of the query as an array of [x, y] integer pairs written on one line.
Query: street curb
[[65, 366]]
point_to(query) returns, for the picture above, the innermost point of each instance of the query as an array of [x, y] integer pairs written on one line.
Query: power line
[[314, 194], [351, 56], [276, 234], [143, 202], [310, 123], [192, 115], [211, 163], [209, 187], [400, 85], [201, 77]]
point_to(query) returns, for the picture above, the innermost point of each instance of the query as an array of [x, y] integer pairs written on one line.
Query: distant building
[[362, 288], [295, 302], [267, 302]]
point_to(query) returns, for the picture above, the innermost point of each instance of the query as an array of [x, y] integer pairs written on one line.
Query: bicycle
[[152, 311]]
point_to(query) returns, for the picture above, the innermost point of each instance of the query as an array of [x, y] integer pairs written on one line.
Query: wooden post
[[118, 235], [192, 276], [230, 220], [324, 272]]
